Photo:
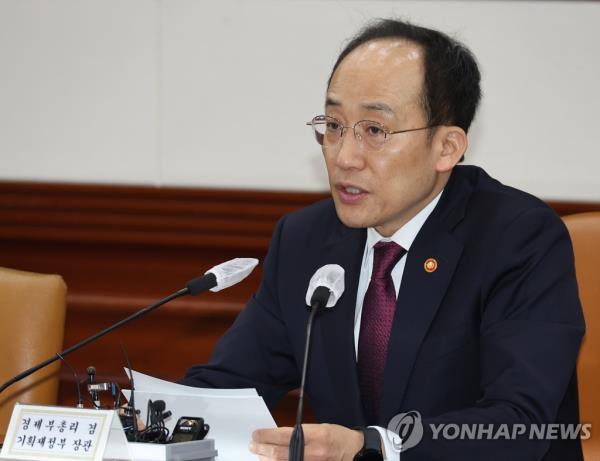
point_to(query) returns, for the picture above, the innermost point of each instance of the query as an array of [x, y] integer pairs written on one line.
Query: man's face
[[381, 81]]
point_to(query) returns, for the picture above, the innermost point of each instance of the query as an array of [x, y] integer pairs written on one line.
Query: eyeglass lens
[[329, 133]]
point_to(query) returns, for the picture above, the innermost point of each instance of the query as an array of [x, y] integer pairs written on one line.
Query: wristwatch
[[371, 450]]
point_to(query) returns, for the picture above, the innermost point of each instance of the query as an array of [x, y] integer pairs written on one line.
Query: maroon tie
[[378, 309]]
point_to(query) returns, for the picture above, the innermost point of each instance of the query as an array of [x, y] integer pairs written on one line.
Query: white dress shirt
[[404, 237]]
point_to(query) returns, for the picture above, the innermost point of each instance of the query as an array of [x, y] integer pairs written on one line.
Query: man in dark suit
[[461, 301]]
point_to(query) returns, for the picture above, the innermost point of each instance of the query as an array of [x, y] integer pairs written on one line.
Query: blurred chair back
[[584, 229], [32, 319]]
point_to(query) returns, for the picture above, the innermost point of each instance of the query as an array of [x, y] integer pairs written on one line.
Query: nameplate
[[43, 433]]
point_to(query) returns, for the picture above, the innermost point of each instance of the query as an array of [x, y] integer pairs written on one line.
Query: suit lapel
[[336, 326], [421, 292], [420, 295]]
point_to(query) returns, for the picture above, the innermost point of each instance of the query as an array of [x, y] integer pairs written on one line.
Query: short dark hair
[[451, 90]]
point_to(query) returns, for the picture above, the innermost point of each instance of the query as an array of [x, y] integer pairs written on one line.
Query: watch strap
[[372, 445]]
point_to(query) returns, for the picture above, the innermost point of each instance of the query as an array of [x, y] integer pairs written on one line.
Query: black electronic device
[[189, 428]]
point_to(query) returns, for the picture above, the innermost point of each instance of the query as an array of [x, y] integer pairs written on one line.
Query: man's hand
[[322, 442]]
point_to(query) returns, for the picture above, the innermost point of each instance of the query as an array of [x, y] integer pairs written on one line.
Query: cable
[[131, 402], [77, 381]]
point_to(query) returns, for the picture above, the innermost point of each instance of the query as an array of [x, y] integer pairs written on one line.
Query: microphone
[[159, 407], [91, 372], [326, 286], [222, 276], [218, 278]]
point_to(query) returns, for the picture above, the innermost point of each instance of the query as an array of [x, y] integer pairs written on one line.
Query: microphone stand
[[296, 450], [79, 345], [195, 286]]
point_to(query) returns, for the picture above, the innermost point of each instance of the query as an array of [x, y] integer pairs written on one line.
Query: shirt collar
[[406, 235]]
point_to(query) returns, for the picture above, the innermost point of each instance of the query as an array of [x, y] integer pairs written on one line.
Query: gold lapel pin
[[430, 265]]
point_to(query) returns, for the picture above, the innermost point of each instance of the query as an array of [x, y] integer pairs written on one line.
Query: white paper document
[[144, 382], [232, 414]]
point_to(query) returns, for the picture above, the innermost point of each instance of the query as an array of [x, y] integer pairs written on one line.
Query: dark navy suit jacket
[[490, 337]]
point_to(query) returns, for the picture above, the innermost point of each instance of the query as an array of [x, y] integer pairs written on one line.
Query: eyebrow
[[379, 106], [368, 106], [332, 102]]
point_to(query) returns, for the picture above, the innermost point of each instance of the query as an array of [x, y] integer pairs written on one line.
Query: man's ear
[[451, 143]]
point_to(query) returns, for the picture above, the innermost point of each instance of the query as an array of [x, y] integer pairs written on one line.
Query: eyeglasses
[[372, 135]]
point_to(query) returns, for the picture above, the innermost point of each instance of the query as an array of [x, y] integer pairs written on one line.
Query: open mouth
[[349, 193]]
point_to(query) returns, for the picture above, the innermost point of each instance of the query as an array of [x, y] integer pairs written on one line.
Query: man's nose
[[350, 154]]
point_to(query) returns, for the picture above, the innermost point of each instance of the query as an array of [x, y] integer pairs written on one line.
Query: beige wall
[[216, 93]]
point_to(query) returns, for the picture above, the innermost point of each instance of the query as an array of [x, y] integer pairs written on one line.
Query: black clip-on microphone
[[91, 372], [325, 288], [219, 277]]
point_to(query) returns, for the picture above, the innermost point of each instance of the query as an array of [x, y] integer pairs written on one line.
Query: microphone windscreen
[[91, 372], [159, 405], [231, 272], [330, 276]]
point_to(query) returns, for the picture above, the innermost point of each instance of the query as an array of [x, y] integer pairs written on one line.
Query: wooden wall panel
[[120, 248]]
